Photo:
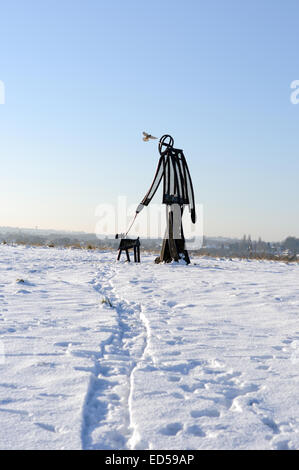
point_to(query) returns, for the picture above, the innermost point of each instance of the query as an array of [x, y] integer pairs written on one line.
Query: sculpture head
[[166, 142]]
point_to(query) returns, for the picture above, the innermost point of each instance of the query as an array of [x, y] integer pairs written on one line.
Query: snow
[[96, 354]]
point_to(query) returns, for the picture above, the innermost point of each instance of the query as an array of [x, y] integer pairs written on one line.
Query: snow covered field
[[96, 354]]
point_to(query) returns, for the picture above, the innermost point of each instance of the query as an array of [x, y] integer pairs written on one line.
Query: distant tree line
[[216, 246], [292, 244]]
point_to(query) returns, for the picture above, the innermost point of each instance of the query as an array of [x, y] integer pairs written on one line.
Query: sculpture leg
[[174, 253], [182, 244], [138, 254], [169, 249], [173, 245]]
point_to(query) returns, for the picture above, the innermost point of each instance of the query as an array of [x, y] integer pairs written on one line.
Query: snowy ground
[[198, 357]]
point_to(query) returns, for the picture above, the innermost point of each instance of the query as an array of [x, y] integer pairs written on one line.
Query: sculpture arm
[[154, 186], [190, 193]]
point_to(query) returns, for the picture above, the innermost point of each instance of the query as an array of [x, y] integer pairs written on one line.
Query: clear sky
[[83, 79]]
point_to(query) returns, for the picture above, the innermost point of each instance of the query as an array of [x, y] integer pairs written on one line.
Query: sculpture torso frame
[[177, 193]]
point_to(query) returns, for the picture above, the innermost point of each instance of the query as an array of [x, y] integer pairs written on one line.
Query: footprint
[[282, 445], [210, 412], [192, 388], [67, 344], [260, 358], [22, 291], [195, 431], [252, 402], [171, 303], [174, 378], [171, 429], [179, 396], [271, 424], [47, 427]]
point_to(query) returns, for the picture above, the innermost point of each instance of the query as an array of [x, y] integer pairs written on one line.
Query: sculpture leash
[[131, 224]]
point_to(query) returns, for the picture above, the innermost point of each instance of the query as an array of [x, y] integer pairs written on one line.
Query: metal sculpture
[[177, 193], [125, 244]]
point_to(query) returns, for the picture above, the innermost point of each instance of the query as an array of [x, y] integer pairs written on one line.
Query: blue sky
[[83, 79]]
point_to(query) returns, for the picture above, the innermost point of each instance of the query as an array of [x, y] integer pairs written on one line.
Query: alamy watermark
[[2, 92], [294, 97], [151, 223]]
